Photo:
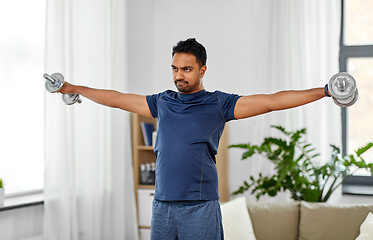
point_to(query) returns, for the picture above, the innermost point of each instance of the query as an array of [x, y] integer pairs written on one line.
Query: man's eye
[[174, 69], [187, 69]]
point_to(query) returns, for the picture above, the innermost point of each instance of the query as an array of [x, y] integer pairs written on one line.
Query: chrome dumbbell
[[342, 88], [55, 82]]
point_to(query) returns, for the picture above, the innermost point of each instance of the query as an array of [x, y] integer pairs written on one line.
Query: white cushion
[[236, 220], [366, 228]]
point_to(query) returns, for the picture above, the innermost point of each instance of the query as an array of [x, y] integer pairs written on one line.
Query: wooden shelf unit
[[141, 154]]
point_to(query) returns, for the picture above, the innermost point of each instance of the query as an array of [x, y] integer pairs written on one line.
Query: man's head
[[188, 65], [191, 46]]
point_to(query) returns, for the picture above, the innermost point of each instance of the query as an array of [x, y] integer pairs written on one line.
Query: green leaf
[[279, 142], [306, 146], [248, 153], [297, 135], [335, 148], [281, 129], [346, 163], [310, 150], [272, 193], [240, 146], [352, 159], [361, 164], [364, 149], [239, 191], [315, 155]]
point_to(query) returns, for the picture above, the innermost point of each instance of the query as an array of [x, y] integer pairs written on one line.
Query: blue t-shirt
[[188, 134]]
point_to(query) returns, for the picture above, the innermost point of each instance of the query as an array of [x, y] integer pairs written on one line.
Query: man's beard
[[185, 88]]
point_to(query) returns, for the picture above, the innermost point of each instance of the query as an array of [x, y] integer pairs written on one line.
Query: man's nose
[[179, 75]]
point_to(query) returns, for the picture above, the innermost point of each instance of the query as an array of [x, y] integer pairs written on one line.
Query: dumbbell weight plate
[[348, 101], [70, 99], [56, 85], [342, 86]]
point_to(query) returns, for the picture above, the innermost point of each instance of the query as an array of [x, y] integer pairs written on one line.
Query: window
[[22, 29], [360, 117], [356, 58], [358, 22]]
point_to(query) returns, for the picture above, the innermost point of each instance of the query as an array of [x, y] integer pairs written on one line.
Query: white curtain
[[293, 45], [88, 172]]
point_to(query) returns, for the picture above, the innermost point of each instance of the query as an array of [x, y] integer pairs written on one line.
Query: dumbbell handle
[[47, 77], [341, 85]]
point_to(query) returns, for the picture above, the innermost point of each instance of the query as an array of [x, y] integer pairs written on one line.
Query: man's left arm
[[249, 106]]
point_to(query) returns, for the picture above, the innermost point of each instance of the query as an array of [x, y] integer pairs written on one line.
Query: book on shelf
[[147, 174], [147, 132]]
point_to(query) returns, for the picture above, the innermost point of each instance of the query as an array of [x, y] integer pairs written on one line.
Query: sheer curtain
[[293, 45], [88, 171]]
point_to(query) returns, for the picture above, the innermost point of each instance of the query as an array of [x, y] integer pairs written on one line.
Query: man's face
[[187, 74]]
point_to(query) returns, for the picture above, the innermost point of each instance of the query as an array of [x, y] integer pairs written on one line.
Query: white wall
[[157, 26]]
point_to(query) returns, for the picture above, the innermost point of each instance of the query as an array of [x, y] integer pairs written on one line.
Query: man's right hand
[[67, 88]]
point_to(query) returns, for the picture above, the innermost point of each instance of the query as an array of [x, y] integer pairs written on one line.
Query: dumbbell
[[55, 82], [342, 88]]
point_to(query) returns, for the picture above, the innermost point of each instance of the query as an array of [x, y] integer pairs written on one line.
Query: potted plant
[[1, 192], [296, 171]]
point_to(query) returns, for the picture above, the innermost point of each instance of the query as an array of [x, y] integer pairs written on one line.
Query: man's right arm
[[128, 102]]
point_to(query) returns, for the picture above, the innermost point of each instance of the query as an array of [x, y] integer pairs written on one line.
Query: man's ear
[[202, 71]]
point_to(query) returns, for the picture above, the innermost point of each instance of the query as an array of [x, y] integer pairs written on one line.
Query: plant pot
[[1, 196]]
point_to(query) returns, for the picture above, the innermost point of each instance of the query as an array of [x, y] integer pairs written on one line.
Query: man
[[190, 123]]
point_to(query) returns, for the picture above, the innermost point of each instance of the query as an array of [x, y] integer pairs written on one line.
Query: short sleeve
[[152, 103], [228, 103]]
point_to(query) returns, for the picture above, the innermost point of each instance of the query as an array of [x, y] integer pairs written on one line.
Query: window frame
[[355, 185]]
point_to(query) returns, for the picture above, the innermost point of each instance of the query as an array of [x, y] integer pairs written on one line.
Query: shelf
[[141, 155], [146, 186], [142, 147]]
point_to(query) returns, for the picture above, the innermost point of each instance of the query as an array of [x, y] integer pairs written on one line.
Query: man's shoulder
[[164, 93], [223, 94], [214, 93]]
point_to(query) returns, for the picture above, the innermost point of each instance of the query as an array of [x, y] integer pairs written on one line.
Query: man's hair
[[191, 46]]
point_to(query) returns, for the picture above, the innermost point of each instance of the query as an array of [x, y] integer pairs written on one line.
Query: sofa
[[297, 220]]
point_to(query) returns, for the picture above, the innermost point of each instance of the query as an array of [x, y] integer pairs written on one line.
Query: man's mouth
[[180, 82]]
